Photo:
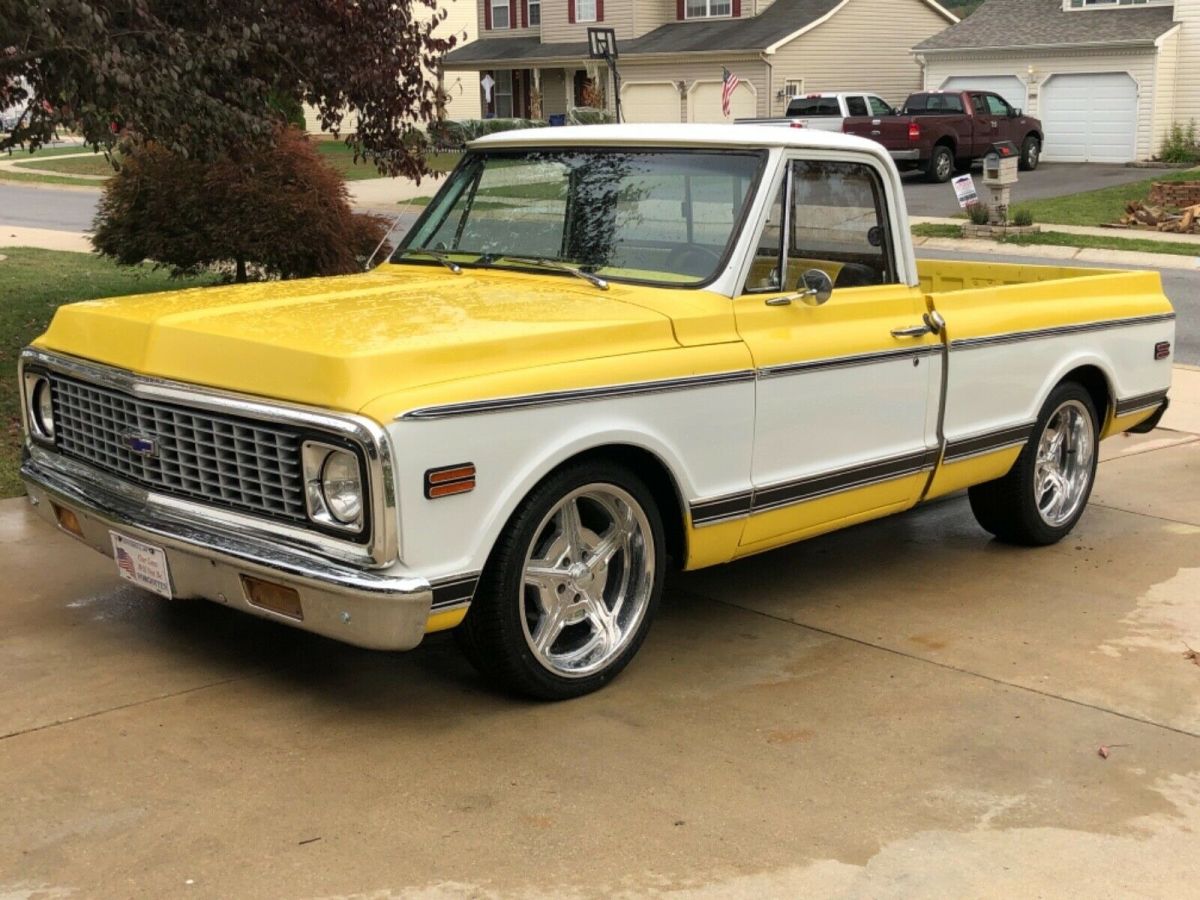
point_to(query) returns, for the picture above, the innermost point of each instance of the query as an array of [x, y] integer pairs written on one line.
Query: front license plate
[[143, 564]]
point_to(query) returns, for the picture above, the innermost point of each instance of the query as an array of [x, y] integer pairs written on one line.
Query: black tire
[[1031, 153], [493, 636], [940, 167], [1009, 506]]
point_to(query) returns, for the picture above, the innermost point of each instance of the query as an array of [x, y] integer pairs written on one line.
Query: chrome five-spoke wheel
[[1062, 474], [589, 574], [1045, 492], [571, 586]]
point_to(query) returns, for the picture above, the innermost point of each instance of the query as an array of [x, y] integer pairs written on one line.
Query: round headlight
[[43, 408], [341, 485]]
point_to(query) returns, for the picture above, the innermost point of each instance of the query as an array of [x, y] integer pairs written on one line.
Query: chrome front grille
[[233, 462]]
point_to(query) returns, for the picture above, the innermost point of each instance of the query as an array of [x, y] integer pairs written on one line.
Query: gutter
[[1141, 42]]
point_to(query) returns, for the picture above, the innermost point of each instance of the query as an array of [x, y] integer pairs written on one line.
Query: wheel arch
[[1095, 376]]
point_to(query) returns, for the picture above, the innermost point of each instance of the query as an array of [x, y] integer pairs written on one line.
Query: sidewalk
[[44, 239], [1184, 411], [1127, 233]]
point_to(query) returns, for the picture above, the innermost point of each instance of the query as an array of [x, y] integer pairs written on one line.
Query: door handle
[[911, 331]]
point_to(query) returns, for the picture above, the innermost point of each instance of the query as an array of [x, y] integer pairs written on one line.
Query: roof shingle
[[1044, 23]]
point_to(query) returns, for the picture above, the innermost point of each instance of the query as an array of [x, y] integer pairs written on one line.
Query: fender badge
[[140, 444]]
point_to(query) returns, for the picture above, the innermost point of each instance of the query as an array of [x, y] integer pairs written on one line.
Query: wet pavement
[[903, 708]]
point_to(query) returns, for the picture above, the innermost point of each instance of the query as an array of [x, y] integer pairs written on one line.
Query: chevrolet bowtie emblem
[[141, 444]]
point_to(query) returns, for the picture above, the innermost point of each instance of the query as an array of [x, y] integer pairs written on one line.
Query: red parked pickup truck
[[941, 131]]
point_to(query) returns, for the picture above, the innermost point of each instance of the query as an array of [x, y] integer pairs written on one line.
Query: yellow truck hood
[[339, 342]]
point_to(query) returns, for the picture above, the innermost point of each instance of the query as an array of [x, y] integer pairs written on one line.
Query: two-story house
[[1106, 77], [533, 54]]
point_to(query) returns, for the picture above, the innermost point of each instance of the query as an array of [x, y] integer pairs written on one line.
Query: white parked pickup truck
[[600, 353], [826, 112]]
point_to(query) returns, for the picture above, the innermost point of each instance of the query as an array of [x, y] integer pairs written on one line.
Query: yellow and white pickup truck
[[599, 353]]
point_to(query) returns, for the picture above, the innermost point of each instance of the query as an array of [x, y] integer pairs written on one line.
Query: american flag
[[729, 83], [125, 562]]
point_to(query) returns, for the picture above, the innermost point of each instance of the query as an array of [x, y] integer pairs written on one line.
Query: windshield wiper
[[440, 256], [594, 280]]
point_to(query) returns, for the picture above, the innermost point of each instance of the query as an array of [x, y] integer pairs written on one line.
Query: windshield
[[660, 216]]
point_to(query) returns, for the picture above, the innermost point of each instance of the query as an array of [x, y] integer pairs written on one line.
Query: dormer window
[[707, 9]]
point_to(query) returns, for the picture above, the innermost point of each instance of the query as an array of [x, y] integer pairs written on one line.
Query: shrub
[[451, 135], [278, 212], [1180, 146], [978, 213], [1022, 217]]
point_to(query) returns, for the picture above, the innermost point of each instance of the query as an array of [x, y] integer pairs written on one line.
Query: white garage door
[[650, 102], [1009, 87], [704, 103], [1090, 118]]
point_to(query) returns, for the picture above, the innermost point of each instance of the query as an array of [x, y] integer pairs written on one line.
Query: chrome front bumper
[[356, 606]]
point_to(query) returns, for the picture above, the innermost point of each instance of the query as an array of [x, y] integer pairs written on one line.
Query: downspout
[[920, 57], [770, 110]]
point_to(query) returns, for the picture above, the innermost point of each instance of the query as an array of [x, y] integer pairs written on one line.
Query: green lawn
[[341, 158], [937, 230], [92, 164], [1102, 207], [33, 284]]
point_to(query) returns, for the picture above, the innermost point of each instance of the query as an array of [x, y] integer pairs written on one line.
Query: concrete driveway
[[905, 708], [1049, 180]]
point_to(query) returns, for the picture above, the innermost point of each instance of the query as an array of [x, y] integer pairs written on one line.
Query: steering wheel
[[692, 259]]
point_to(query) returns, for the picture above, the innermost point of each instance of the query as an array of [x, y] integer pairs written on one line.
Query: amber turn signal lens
[[67, 520], [274, 597]]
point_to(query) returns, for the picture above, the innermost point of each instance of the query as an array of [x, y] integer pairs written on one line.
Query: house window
[[504, 94], [707, 9], [500, 12], [793, 87], [535, 12], [585, 10]]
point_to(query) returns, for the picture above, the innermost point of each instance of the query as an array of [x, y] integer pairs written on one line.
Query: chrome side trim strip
[[845, 362], [381, 550], [1059, 331], [801, 490], [582, 395], [1140, 402], [452, 592], [987, 442]]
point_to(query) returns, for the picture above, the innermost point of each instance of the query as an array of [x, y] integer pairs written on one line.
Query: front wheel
[[1044, 494], [1031, 154], [569, 592]]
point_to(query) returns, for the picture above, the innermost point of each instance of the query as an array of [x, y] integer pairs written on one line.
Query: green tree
[[206, 79], [279, 211]]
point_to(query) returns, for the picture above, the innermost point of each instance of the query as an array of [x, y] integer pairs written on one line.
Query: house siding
[[1187, 65], [1140, 64], [879, 62], [1165, 96], [618, 15]]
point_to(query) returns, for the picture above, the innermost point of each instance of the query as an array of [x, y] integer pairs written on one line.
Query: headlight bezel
[[37, 385], [315, 456]]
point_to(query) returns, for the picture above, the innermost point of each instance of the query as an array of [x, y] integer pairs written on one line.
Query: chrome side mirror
[[818, 288]]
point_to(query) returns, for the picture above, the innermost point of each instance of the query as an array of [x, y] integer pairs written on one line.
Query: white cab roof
[[689, 135]]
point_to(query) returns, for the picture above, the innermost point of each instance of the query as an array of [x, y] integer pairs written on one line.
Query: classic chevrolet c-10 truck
[[600, 352]]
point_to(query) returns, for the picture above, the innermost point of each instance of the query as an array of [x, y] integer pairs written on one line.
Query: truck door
[[987, 124], [1007, 123], [846, 397]]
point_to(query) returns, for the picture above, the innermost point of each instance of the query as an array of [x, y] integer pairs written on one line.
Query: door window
[[504, 94], [857, 106], [836, 222], [979, 104], [878, 107], [997, 106]]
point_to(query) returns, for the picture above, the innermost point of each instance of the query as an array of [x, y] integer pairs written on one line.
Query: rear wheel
[[941, 165], [1031, 154], [1043, 496], [568, 595]]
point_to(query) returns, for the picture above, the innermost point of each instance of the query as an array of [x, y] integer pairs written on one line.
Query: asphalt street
[[1050, 180], [46, 207]]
